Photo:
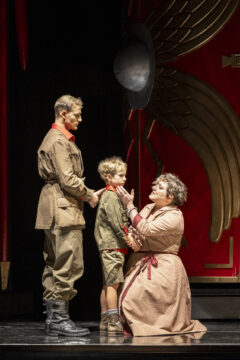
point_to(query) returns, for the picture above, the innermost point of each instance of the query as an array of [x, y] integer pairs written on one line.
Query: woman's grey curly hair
[[175, 187]]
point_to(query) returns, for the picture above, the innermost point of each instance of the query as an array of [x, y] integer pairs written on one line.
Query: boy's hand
[[132, 242]]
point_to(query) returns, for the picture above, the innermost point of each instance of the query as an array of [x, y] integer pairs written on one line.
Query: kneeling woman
[[156, 297]]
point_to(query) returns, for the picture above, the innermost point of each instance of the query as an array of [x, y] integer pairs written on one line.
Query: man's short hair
[[66, 102], [110, 166]]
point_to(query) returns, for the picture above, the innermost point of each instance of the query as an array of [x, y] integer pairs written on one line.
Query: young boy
[[110, 233]]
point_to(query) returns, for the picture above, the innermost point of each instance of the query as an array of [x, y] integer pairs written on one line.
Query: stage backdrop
[[46, 59], [191, 127]]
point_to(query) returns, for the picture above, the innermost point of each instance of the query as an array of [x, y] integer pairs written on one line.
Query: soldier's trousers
[[63, 255]]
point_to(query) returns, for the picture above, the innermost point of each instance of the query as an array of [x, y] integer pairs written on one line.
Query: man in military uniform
[[60, 215]]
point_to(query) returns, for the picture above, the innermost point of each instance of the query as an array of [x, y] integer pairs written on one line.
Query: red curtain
[[3, 133], [22, 32]]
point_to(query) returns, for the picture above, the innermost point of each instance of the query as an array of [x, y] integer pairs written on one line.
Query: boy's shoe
[[103, 327], [114, 324]]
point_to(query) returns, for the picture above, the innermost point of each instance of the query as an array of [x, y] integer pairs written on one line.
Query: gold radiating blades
[[205, 120], [179, 26], [190, 107]]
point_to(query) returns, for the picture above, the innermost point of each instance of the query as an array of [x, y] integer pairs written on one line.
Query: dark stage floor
[[26, 340]]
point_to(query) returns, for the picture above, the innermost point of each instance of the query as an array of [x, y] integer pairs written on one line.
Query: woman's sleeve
[[170, 222]]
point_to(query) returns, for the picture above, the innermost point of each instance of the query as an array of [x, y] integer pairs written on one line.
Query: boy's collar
[[111, 188]]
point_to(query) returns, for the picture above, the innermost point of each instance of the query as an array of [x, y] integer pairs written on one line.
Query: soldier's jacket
[[110, 219], [60, 166]]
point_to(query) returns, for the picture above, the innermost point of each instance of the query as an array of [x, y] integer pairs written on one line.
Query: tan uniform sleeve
[[68, 180]]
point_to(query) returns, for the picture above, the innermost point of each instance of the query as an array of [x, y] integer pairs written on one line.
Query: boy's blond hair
[[110, 166]]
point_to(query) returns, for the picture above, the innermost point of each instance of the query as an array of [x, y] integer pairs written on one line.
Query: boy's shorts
[[112, 267]]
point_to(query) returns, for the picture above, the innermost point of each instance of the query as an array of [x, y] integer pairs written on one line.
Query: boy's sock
[[104, 313], [113, 311]]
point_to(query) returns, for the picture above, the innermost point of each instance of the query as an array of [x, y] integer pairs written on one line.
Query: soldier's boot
[[58, 321], [103, 327], [114, 324]]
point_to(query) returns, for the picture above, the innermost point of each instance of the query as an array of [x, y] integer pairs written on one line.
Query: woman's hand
[[125, 197]]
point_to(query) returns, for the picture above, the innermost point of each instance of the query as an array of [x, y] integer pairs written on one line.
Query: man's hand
[[99, 192], [94, 201], [95, 198]]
